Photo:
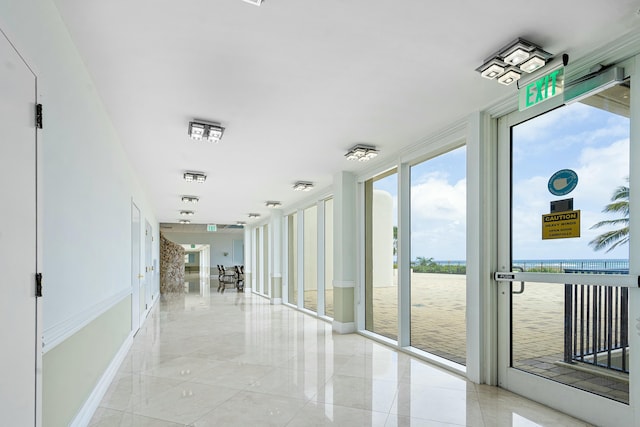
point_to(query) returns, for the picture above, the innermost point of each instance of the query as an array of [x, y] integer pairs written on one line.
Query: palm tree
[[619, 205]]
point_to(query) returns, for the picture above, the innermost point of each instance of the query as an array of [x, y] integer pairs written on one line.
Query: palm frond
[[611, 222], [610, 239]]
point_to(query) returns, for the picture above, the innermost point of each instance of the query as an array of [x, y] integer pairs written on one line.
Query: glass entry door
[[563, 256]]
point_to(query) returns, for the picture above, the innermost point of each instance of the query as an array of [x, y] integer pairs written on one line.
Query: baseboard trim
[[83, 418], [343, 328]]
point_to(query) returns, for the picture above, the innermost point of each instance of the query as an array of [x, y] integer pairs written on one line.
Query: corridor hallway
[[209, 359]]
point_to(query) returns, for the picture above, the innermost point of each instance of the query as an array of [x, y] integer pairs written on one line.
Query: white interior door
[[137, 297], [149, 273], [564, 305], [20, 354]]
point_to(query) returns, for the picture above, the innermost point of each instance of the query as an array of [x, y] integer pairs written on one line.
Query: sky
[[592, 142]]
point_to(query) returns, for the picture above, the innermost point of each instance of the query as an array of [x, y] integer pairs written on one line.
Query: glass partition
[[311, 258], [328, 257], [381, 274]]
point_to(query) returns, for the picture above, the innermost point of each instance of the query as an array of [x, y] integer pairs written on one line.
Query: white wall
[[88, 187], [88, 182]]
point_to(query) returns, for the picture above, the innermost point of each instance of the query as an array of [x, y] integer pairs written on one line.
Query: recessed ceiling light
[[241, 222], [184, 221], [187, 213], [254, 2], [273, 204], [303, 186], [254, 215], [194, 177]]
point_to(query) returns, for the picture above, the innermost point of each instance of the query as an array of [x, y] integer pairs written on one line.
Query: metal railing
[[596, 325]]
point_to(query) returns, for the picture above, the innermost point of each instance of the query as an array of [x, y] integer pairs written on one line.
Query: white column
[[634, 244], [345, 259]]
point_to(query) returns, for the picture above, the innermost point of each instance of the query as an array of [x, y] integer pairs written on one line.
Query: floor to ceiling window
[[438, 252], [381, 279], [265, 261], [310, 252], [328, 257], [292, 250]]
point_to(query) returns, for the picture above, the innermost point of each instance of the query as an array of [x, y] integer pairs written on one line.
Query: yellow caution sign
[[561, 225]]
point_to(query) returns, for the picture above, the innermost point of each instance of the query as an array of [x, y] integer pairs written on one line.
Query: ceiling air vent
[[254, 2]]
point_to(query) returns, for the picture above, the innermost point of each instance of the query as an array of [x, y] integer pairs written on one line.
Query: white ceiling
[[298, 82]]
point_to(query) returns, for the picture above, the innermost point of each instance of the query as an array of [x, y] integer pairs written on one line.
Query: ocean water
[[561, 264]]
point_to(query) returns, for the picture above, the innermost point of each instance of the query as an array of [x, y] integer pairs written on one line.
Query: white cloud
[[436, 199], [438, 217]]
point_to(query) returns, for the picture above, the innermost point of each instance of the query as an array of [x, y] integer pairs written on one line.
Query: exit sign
[[212, 227], [541, 89]]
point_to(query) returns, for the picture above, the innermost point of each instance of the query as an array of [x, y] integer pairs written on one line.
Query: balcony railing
[[596, 324]]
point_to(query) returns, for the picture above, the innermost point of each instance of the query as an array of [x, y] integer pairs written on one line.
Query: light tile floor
[[210, 359]]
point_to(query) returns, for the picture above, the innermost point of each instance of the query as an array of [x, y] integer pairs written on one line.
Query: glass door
[[563, 255]]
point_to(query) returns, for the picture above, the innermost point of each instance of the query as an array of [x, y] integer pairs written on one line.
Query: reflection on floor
[[209, 359]]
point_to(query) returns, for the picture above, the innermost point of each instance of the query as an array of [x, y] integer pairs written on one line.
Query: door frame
[[579, 403]]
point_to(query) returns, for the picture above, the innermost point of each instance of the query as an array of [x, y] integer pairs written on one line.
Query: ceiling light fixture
[[303, 186], [254, 2], [212, 132], [361, 153], [532, 64], [194, 177], [190, 199], [187, 213], [273, 204], [509, 77], [241, 223], [507, 65], [184, 221], [254, 215]]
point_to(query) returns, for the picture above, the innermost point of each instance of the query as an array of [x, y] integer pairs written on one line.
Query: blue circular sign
[[562, 182]]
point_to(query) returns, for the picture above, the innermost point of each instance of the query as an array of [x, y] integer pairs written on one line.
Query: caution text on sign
[[561, 225]]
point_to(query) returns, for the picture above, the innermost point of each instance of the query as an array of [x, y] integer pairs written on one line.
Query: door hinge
[[38, 285], [39, 116]]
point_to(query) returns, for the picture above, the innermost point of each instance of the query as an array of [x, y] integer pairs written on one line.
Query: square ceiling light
[[273, 204], [509, 77], [492, 69], [507, 64], [212, 132], [532, 64], [303, 186], [361, 153], [194, 177], [190, 199]]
